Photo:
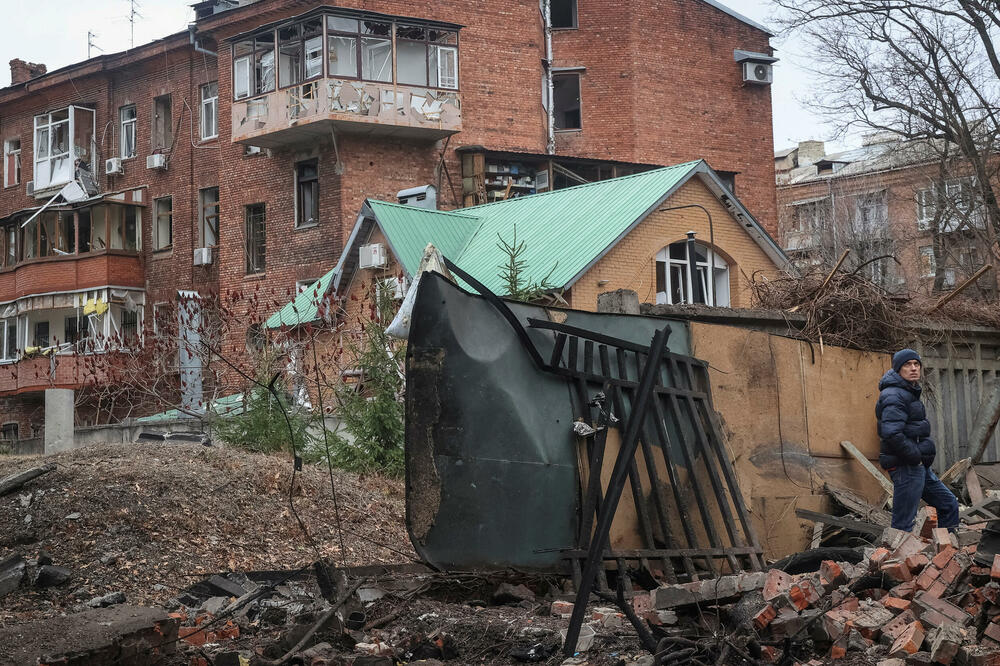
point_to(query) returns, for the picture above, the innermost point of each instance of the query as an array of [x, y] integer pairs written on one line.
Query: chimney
[[21, 71], [810, 152]]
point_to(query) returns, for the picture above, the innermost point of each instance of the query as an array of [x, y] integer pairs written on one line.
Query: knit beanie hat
[[902, 356]]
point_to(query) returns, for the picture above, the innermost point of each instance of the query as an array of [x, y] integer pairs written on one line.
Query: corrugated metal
[[304, 308], [563, 231], [410, 228], [959, 375]]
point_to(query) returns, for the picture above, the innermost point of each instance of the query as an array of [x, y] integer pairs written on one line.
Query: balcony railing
[[42, 372], [309, 111]]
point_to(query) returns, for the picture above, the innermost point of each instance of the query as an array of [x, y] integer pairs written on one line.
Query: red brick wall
[[661, 86]]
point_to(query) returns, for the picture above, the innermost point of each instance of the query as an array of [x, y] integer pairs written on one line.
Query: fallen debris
[[14, 481]]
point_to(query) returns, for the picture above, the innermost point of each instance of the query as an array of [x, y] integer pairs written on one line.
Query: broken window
[[376, 51], [342, 49], [563, 13], [8, 339], [255, 238], [9, 431], [123, 227], [163, 225], [53, 164], [682, 275], [810, 216], [93, 229], [928, 263], [289, 55], [210, 110], [163, 132], [566, 100], [307, 193], [208, 225], [129, 328], [872, 213], [41, 338], [127, 117], [253, 66], [11, 162], [73, 330]]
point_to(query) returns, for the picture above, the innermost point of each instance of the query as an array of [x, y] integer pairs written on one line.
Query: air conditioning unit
[[202, 256], [372, 256], [157, 161], [113, 166], [761, 73]]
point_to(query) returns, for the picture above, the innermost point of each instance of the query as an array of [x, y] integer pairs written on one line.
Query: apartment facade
[[906, 210], [234, 157]]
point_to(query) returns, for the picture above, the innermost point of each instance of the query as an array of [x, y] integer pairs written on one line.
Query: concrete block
[[59, 411]]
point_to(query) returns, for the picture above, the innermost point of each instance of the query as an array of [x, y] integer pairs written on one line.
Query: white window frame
[[720, 275], [127, 138], [203, 221], [209, 109], [43, 163], [242, 83], [931, 271], [11, 179], [7, 355], [872, 210], [444, 80], [926, 210]]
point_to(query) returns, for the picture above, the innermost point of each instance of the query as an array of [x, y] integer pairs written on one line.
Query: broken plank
[[846, 523], [817, 535], [867, 464], [956, 471], [857, 505], [15, 481], [972, 486]]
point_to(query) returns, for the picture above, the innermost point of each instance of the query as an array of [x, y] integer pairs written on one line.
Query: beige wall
[[785, 407], [631, 264]]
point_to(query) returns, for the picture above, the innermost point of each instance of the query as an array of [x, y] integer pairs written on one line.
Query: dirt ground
[[151, 519]]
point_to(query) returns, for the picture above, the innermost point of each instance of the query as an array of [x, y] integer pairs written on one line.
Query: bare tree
[[926, 72]]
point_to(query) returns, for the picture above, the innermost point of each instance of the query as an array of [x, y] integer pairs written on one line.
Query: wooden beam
[[972, 486], [817, 535], [846, 523], [960, 288], [985, 423], [869, 467], [14, 481]]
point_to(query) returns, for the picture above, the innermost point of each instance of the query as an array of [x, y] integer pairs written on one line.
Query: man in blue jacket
[[907, 450]]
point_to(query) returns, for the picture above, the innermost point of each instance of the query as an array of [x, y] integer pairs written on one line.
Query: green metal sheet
[[304, 308], [409, 229], [491, 461]]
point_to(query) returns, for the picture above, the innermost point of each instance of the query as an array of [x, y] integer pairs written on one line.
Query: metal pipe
[[550, 146], [711, 241], [194, 43]]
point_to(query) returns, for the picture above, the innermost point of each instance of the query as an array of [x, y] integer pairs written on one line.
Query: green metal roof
[[304, 308], [564, 231], [229, 405], [408, 230]]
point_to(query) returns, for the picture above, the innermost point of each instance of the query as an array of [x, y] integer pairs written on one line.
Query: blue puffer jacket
[[902, 424]]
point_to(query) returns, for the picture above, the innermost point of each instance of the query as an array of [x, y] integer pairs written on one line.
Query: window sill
[[568, 131], [563, 28], [306, 227], [255, 276], [164, 252], [209, 139]]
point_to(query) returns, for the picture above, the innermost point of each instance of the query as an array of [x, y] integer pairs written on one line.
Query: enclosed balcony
[[69, 248], [298, 81]]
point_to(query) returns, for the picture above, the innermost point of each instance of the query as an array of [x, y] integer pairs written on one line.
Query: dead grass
[[169, 514]]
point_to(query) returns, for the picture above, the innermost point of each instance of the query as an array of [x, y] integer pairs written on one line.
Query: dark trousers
[[910, 484]]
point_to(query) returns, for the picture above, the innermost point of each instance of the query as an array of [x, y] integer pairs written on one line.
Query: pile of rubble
[[913, 598]]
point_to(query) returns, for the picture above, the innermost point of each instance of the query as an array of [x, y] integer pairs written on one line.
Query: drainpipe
[[194, 42], [550, 146]]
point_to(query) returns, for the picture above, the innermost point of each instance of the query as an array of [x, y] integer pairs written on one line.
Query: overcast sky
[[61, 39]]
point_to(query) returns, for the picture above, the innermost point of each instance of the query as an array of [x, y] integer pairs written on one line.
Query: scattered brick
[[896, 604], [777, 583], [192, 635], [917, 562], [904, 590], [992, 631], [925, 605], [944, 556], [876, 559], [978, 655], [839, 648], [909, 641], [995, 570], [895, 627], [930, 522], [919, 659], [937, 589], [870, 621], [833, 574], [896, 570], [944, 643], [764, 617], [562, 609], [927, 577]]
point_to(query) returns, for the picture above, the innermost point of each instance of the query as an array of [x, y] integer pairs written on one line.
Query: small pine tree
[[261, 426], [513, 269]]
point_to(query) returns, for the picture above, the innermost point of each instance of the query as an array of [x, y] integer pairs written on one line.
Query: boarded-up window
[[163, 134]]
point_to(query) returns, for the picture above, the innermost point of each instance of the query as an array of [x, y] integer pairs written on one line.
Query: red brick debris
[[911, 599]]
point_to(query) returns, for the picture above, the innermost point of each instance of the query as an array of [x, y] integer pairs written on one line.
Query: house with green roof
[[673, 235]]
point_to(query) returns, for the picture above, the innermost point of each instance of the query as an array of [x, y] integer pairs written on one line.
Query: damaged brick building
[[235, 155]]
